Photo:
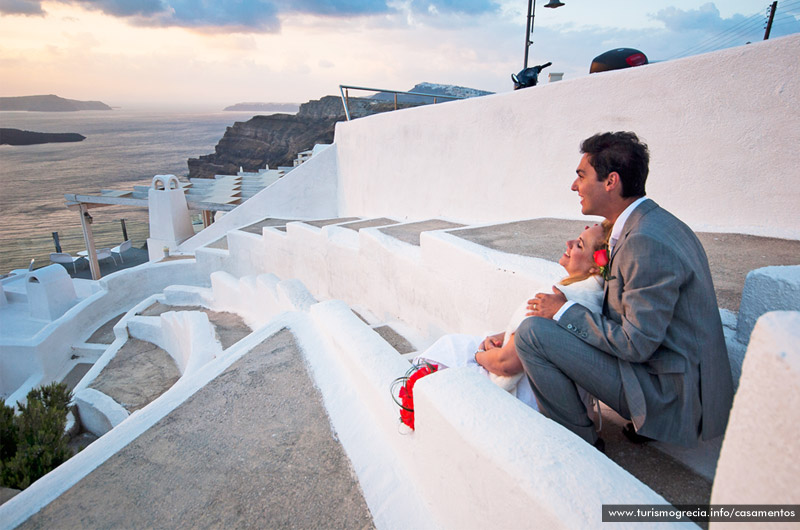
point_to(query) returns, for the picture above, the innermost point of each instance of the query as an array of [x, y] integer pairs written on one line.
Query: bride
[[496, 356]]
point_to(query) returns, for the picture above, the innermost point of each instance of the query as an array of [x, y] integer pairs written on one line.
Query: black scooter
[[528, 77]]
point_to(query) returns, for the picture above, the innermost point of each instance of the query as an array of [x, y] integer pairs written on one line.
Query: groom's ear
[[613, 181]]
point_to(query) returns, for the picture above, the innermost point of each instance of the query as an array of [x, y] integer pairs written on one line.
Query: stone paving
[[252, 449], [410, 232], [105, 333], [325, 222], [138, 374], [230, 328], [666, 476], [257, 227]]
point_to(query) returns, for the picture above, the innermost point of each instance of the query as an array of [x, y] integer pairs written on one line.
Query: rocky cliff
[[264, 107], [275, 140]]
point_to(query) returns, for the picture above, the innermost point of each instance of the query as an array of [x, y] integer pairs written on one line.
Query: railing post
[[345, 96], [88, 238], [208, 218], [395, 101], [57, 242]]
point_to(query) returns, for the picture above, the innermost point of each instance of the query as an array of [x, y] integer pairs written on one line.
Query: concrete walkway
[[137, 375], [251, 449], [230, 328]]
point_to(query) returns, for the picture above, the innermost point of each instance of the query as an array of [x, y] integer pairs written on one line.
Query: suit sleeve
[[650, 274]]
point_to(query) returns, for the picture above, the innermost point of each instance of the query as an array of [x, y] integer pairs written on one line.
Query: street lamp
[[529, 29]]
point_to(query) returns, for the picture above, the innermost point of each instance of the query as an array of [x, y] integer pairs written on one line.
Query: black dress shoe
[[600, 445], [631, 434]]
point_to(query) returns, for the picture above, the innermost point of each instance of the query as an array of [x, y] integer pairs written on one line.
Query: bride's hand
[[531, 307], [492, 341]]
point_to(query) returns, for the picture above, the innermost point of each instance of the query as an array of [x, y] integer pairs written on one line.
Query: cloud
[[706, 18], [334, 7], [250, 15], [237, 15], [20, 7], [125, 8], [470, 7]]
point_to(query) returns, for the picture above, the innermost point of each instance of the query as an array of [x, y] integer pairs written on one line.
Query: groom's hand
[[546, 305]]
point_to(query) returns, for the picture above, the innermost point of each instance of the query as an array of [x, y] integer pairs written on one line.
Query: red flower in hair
[[602, 259]]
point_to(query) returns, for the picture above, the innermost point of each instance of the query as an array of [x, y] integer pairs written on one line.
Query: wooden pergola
[[220, 194], [83, 203]]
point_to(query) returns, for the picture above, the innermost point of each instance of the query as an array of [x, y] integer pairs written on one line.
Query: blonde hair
[[601, 243]]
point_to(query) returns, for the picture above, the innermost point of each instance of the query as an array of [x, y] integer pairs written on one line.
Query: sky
[[207, 53]]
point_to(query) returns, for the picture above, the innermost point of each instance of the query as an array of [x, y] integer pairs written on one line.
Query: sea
[[122, 148]]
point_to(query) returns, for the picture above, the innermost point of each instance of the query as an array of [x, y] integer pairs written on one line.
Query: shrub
[[8, 433], [54, 395], [41, 444]]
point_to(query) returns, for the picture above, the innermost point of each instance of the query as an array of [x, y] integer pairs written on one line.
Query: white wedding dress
[[458, 350]]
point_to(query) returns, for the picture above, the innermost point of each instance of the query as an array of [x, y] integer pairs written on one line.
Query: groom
[[657, 353]]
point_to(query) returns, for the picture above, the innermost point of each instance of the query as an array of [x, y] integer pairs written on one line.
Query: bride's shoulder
[[592, 283]]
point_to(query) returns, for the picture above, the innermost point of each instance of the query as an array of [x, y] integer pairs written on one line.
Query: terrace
[[377, 246]]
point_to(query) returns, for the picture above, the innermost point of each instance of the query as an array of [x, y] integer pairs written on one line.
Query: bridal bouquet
[[406, 392]]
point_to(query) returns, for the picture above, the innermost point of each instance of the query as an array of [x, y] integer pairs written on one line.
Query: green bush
[[53, 396], [41, 444], [8, 433]]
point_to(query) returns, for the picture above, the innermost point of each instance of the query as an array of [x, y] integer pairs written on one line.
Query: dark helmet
[[617, 59]]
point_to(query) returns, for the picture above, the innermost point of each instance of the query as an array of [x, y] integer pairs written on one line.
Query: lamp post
[[529, 29]]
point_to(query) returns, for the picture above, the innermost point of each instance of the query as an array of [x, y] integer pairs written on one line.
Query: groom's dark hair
[[622, 152]]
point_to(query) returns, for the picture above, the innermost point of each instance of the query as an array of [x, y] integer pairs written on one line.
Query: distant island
[[49, 103], [434, 89], [18, 137], [265, 107]]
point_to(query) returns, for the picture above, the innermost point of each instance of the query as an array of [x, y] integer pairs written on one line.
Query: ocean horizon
[[123, 148]]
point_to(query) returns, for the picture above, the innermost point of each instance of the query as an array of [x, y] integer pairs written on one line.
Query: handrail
[[344, 90]]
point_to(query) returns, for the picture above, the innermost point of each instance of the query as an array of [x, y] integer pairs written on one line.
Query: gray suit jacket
[[661, 321]]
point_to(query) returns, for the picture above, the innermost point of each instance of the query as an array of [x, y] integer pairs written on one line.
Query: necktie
[[612, 242]]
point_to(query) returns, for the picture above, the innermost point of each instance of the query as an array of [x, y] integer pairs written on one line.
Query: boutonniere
[[602, 259]]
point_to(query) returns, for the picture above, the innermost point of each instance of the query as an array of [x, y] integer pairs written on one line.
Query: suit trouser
[[556, 361]]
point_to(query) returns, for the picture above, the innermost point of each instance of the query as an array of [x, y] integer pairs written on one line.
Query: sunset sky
[[213, 53]]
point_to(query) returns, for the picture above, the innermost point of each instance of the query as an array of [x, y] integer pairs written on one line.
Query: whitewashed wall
[[760, 460], [26, 362], [723, 130], [307, 192]]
